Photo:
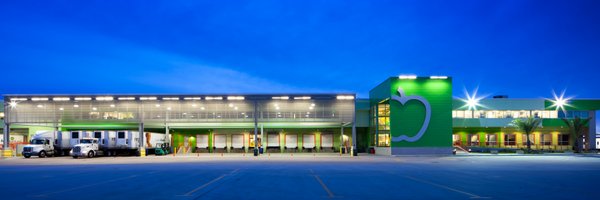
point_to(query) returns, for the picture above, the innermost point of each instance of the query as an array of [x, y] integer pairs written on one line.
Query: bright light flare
[[472, 100], [560, 102]]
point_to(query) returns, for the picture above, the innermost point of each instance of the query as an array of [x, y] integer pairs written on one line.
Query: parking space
[[301, 177]]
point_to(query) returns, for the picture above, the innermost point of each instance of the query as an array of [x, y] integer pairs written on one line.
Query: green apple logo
[[402, 98]]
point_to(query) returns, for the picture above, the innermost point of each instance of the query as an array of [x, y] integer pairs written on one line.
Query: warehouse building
[[403, 115]]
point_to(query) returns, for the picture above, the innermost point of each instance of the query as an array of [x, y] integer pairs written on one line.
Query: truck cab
[[40, 147], [87, 147]]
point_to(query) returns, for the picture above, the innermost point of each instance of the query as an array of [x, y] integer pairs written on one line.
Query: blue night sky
[[520, 48]]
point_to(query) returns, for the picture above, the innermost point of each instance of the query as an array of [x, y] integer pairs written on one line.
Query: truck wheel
[[27, 156], [42, 154], [90, 154]]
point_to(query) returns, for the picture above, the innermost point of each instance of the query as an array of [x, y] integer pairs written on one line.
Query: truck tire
[[91, 154], [27, 156], [42, 154]]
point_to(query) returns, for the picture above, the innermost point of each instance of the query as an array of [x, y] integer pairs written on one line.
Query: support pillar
[[353, 150], [342, 138], [6, 150], [142, 143], [255, 128]]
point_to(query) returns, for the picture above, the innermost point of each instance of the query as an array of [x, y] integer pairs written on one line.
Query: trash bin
[[372, 150], [255, 152], [260, 150]]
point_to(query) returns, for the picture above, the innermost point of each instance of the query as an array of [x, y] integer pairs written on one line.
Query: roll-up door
[[237, 141], [327, 140], [308, 141], [273, 140], [202, 141], [291, 141], [220, 141]]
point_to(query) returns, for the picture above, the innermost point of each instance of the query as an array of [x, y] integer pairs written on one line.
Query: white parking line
[[471, 195], [329, 193], [210, 182]]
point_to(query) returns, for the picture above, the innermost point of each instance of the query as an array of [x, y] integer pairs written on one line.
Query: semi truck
[[42, 144], [112, 143]]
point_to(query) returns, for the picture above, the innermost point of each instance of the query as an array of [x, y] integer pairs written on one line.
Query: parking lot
[[301, 177]]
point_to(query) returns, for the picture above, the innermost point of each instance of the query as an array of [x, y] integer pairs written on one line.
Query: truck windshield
[[37, 141], [86, 141]]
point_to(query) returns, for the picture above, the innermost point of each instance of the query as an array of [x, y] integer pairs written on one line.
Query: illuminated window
[[546, 139], [473, 140], [491, 139], [510, 139], [531, 139], [383, 124]]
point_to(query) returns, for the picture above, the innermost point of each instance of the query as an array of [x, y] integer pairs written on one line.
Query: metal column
[[142, 144], [255, 128], [6, 144], [342, 139], [353, 148]]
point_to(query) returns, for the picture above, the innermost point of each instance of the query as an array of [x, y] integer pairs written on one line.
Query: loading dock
[[291, 143], [220, 143], [308, 143], [202, 143], [273, 142]]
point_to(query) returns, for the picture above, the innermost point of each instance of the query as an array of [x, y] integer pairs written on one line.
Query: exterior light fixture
[[201, 108], [76, 106], [345, 97], [83, 98], [409, 77], [61, 108], [230, 105], [281, 98], [40, 106], [168, 108], [112, 105], [126, 98], [302, 98], [438, 77], [213, 98], [13, 104], [39, 99], [170, 98], [94, 108], [192, 98], [148, 98], [235, 108], [61, 99], [104, 98], [235, 98], [157, 105], [18, 99]]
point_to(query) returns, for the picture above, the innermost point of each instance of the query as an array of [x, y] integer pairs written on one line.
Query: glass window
[[491, 139], [456, 139], [563, 139], [97, 134], [473, 140], [121, 135], [546, 139], [383, 139], [531, 139], [74, 134], [510, 139]]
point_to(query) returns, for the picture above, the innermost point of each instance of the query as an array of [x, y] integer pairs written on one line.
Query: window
[[491, 139], [563, 139], [383, 139], [121, 135], [97, 134], [546, 139], [510, 139], [473, 140], [456, 139], [383, 125], [75, 135], [531, 139]]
